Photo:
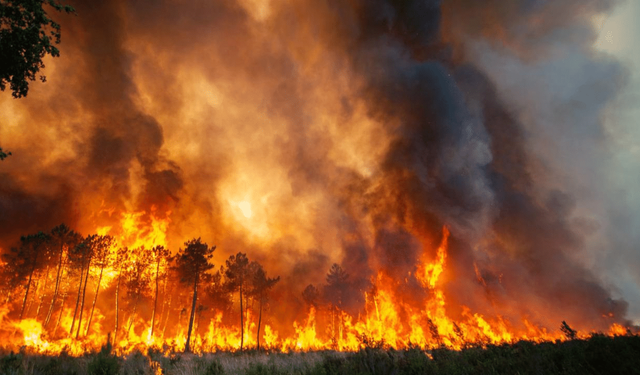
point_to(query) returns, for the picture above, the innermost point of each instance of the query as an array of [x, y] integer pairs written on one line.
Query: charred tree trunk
[[166, 318], [75, 312], [259, 322], [155, 300], [95, 298], [241, 322], [133, 313], [64, 298], [115, 333], [26, 292], [164, 301], [56, 288], [84, 292], [187, 348]]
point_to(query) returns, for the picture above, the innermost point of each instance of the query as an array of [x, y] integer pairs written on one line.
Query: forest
[[56, 279]]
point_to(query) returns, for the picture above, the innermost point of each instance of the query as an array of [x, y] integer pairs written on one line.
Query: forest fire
[[155, 318], [307, 176]]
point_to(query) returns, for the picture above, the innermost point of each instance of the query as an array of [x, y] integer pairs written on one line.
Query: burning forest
[[313, 175]]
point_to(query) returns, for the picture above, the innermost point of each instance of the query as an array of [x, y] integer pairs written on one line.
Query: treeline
[[52, 272]]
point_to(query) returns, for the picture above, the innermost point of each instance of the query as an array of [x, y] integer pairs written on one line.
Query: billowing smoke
[[354, 130]]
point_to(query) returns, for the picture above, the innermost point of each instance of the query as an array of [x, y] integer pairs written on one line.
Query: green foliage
[[27, 34], [3, 155], [104, 363]]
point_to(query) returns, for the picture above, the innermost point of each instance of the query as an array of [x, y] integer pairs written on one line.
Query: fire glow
[[364, 154]]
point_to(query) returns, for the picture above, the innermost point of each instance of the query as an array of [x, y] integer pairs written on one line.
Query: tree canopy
[[27, 35]]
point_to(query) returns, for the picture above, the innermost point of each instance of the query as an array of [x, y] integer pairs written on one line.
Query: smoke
[[355, 130]]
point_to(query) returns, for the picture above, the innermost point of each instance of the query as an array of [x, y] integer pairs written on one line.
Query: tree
[[237, 280], [3, 155], [261, 285], [27, 35], [161, 256], [122, 258], [311, 295], [337, 282], [62, 239], [191, 264], [27, 259], [102, 251], [137, 277], [81, 257]]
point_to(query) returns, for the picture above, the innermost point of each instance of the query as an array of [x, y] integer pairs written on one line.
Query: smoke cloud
[[354, 130]]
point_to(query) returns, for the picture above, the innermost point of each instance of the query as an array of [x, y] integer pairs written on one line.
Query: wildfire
[[388, 319]]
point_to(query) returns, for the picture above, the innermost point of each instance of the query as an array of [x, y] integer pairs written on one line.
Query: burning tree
[[24, 262], [261, 285], [337, 282], [192, 263], [161, 256], [62, 240], [137, 278], [238, 279], [102, 253]]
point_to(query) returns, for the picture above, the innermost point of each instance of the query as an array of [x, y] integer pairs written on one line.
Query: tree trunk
[[115, 333], [167, 315], [241, 322], [95, 298], [26, 293], [133, 313], [187, 348], [164, 301], [56, 288], [64, 297], [75, 312], [84, 293], [155, 300], [259, 322]]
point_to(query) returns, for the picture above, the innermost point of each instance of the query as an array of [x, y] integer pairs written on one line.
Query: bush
[[104, 363]]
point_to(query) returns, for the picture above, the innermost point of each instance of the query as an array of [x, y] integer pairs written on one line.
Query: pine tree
[[192, 263], [261, 285]]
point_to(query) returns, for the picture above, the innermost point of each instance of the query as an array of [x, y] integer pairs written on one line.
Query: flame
[[388, 319]]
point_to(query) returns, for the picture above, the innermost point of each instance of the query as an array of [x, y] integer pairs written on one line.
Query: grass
[[597, 355]]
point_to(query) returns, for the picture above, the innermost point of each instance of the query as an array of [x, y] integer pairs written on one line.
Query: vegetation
[[192, 263], [597, 355], [53, 270], [27, 35]]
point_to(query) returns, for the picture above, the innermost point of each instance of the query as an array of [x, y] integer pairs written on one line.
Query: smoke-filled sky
[[352, 131]]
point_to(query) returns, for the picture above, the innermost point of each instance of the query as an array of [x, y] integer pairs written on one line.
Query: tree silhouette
[[26, 260], [161, 257], [122, 259], [27, 34], [137, 278], [337, 282], [102, 254], [261, 285], [311, 296], [237, 275], [83, 254], [62, 240], [192, 263]]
